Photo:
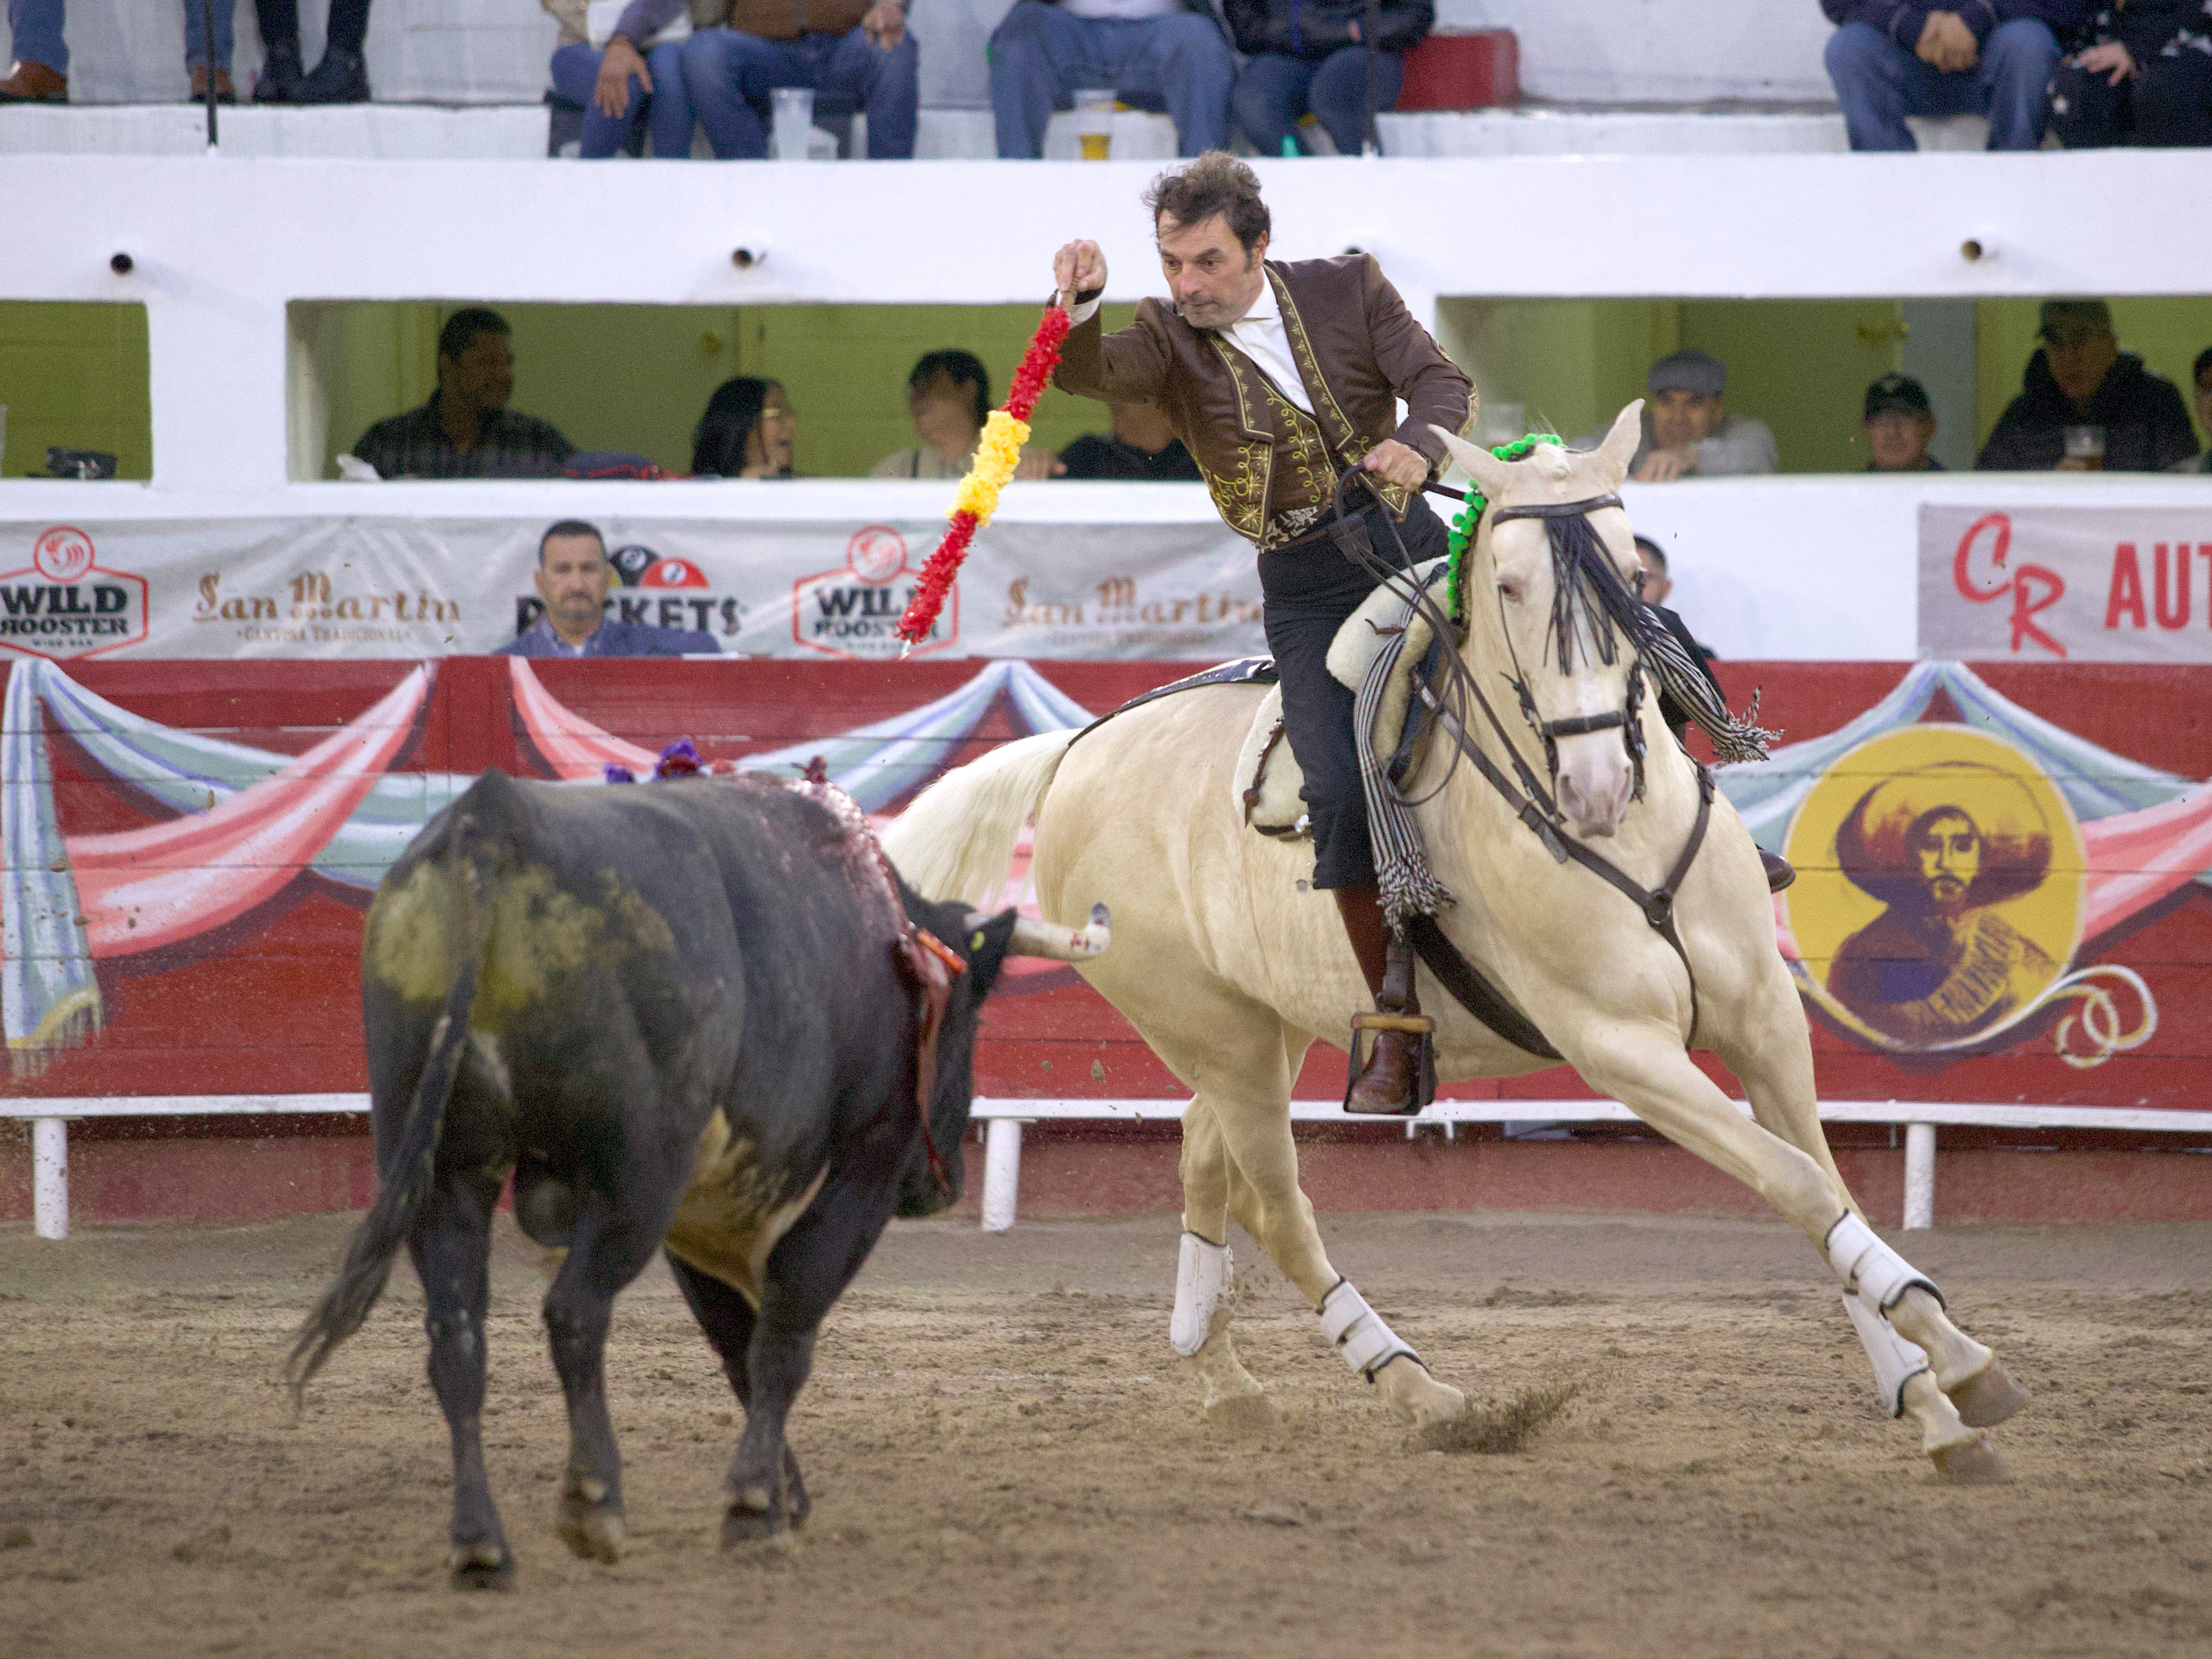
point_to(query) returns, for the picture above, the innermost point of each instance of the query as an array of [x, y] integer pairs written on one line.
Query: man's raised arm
[[1130, 366]]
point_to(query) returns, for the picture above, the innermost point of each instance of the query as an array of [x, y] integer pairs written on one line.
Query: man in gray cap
[[1687, 430], [2086, 405]]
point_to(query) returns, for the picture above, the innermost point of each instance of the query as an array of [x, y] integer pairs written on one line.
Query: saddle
[[1267, 779]]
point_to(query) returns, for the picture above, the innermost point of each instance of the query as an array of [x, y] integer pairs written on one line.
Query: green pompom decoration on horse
[[1470, 517]]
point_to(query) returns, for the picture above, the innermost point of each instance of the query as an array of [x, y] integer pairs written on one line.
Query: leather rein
[[1532, 802]]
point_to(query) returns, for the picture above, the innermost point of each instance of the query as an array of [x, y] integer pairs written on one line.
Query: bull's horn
[[1033, 938]]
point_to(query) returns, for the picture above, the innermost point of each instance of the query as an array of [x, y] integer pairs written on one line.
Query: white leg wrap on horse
[[1358, 1331], [1203, 1273], [1896, 1362], [1870, 1266]]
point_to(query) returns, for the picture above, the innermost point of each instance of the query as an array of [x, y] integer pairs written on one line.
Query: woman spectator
[[622, 87], [1311, 55], [746, 432], [2146, 80]]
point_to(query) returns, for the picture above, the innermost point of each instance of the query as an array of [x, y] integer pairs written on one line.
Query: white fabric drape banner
[[430, 587], [2077, 584]]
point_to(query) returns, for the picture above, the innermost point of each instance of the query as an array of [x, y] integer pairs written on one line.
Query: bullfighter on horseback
[[1279, 376]]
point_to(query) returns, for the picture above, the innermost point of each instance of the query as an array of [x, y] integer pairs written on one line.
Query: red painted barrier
[[268, 1001]]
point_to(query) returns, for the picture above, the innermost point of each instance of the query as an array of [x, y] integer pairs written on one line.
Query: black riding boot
[[1398, 1078]]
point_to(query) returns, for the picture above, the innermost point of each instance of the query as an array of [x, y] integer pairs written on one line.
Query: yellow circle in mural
[[1939, 889]]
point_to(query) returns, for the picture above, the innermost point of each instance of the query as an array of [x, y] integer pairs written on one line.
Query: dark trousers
[[1309, 588], [2169, 105]]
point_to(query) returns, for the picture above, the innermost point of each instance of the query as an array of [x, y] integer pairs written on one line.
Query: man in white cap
[[1688, 430]]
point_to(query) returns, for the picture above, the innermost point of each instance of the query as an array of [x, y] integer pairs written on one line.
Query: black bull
[[677, 1013]]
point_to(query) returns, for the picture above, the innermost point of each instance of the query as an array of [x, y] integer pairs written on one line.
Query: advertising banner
[[384, 587], [2066, 584]]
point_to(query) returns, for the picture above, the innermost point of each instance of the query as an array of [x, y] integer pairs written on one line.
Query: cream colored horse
[[1230, 966]]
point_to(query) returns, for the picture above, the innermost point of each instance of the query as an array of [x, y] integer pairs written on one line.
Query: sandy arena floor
[[1005, 1459]]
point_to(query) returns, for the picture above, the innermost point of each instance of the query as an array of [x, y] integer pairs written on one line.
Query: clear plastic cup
[[793, 130], [1094, 122], [2085, 447]]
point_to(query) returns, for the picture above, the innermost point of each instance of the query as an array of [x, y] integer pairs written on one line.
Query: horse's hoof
[[1242, 1413], [592, 1534], [742, 1527], [1971, 1464], [482, 1567], [1988, 1397]]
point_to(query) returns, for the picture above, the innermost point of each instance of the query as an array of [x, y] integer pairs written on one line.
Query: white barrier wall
[[1777, 569]]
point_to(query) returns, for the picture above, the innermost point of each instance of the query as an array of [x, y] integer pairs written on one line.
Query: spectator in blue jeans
[[1891, 59], [855, 54], [1304, 55], [1044, 51], [40, 74], [623, 89]]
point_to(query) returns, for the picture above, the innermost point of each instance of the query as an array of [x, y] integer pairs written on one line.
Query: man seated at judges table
[[1144, 448], [2200, 375], [2086, 406], [466, 429], [1891, 59], [574, 577], [1898, 426], [1688, 430]]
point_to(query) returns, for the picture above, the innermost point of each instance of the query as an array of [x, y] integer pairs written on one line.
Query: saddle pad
[[1245, 670], [1264, 789], [1359, 641]]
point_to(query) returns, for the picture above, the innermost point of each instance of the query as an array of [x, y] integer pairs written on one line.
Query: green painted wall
[[636, 378], [2166, 333], [75, 374]]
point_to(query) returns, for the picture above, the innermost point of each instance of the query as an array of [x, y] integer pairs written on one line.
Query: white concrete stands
[[970, 233], [378, 132], [1000, 1123]]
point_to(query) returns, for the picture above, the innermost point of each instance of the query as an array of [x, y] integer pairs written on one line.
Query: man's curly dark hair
[[1215, 183]]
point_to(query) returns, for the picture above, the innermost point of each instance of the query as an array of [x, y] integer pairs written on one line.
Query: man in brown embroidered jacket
[[1279, 377]]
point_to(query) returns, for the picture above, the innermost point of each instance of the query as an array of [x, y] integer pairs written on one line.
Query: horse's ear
[[1619, 448], [1484, 468]]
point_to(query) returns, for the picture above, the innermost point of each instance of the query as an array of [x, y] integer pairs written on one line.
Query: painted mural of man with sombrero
[[1942, 847]]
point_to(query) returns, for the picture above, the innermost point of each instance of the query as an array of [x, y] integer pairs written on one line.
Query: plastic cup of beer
[[1094, 123], [2085, 447], [793, 131]]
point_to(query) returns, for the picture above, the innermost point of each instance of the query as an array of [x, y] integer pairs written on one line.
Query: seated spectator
[[854, 53], [948, 396], [1898, 426], [625, 91], [2200, 374], [466, 430], [1143, 447], [573, 578], [1044, 51], [39, 74], [1688, 430], [342, 77], [1302, 55], [2146, 78], [1891, 59], [746, 433], [2080, 379]]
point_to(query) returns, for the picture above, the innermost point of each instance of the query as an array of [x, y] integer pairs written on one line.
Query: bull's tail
[[469, 860], [955, 840]]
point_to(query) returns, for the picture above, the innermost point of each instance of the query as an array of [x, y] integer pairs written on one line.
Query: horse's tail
[[469, 859], [957, 839]]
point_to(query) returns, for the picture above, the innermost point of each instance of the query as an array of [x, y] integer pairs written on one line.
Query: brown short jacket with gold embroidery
[[1269, 465]]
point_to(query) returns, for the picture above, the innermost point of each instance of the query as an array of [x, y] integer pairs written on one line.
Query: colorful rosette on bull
[[997, 454]]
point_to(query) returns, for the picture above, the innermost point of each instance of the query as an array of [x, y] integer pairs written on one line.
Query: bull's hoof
[[1242, 1413], [1971, 1464], [1988, 1397], [482, 1567], [592, 1532]]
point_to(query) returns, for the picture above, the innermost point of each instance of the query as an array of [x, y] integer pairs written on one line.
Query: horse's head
[[1552, 570]]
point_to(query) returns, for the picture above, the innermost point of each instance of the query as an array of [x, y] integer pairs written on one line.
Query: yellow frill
[[997, 453]]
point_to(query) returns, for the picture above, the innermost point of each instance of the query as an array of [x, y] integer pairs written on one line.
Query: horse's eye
[[1510, 591]]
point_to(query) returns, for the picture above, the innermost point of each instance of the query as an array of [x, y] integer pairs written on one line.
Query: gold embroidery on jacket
[[1241, 497], [1346, 439]]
